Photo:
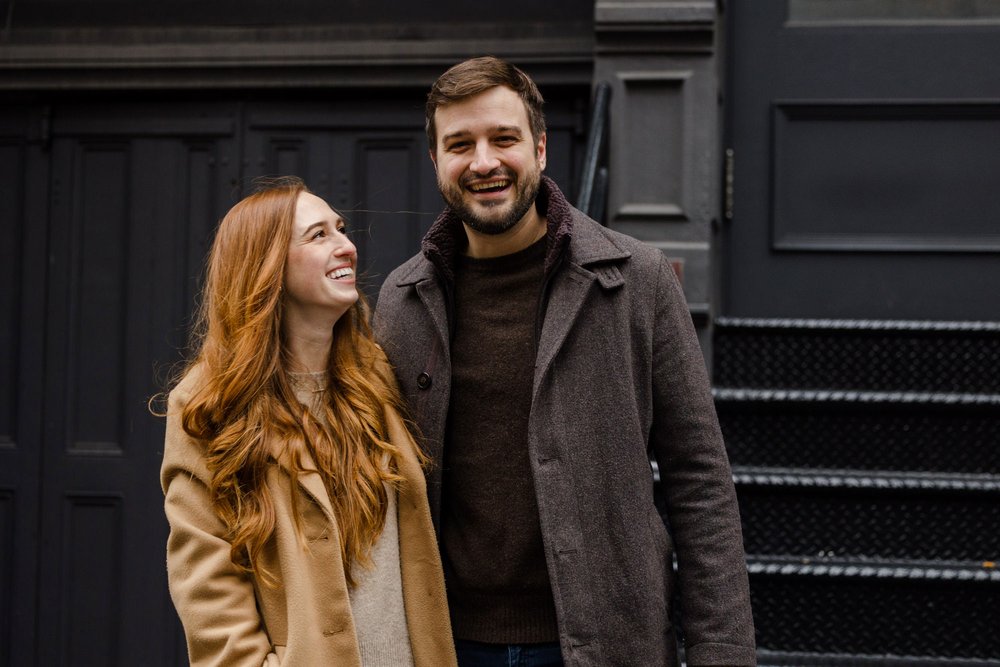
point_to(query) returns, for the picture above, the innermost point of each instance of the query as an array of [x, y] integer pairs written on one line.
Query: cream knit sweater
[[377, 600]]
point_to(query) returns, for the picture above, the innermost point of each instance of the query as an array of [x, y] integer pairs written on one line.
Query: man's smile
[[490, 185]]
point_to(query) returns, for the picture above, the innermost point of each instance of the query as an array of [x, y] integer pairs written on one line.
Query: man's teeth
[[341, 273], [492, 185]]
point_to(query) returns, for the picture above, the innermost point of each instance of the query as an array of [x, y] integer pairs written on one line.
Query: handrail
[[594, 179]]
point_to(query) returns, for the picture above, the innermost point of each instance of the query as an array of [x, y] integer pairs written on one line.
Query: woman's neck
[[309, 348]]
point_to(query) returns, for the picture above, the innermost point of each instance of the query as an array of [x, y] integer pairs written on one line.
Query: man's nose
[[485, 159]]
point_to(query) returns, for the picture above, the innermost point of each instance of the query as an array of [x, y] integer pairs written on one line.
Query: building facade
[[822, 175]]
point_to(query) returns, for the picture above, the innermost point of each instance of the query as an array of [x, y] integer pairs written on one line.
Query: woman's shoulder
[[191, 381]]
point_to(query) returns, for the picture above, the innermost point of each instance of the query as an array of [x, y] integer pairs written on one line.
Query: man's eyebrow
[[508, 129], [499, 129], [455, 135]]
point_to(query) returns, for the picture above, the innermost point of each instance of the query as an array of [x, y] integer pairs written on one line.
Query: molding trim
[[363, 56], [666, 13]]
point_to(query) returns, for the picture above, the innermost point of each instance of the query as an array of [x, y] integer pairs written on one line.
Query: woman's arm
[[214, 599]]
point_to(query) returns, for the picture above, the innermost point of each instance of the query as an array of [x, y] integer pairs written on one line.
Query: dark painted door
[[23, 195], [103, 232], [133, 192], [374, 167], [865, 160]]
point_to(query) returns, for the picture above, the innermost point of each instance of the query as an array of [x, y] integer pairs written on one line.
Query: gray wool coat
[[618, 375]]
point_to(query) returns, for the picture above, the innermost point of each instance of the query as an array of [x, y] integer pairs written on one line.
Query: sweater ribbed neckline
[[533, 254]]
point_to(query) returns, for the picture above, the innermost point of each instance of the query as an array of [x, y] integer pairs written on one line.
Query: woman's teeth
[[341, 273]]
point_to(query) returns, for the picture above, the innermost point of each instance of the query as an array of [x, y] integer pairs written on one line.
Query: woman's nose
[[345, 248]]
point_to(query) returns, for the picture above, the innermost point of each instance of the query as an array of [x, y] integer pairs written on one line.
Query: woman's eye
[[320, 234]]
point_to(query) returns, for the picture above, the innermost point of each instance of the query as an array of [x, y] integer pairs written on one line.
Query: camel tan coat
[[231, 619]]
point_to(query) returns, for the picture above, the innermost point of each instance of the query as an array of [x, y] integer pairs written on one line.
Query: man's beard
[[499, 222]]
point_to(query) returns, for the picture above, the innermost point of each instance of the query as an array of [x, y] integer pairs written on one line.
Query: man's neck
[[528, 230]]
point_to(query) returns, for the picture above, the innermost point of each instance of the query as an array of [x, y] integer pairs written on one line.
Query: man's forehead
[[498, 105]]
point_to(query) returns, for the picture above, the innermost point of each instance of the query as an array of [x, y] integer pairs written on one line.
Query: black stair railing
[[594, 178]]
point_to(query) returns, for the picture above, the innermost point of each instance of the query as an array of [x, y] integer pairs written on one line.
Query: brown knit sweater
[[497, 582]]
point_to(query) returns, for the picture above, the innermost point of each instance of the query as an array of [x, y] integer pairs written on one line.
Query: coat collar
[[308, 475], [572, 237]]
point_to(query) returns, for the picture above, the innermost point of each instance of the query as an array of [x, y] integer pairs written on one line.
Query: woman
[[299, 527]]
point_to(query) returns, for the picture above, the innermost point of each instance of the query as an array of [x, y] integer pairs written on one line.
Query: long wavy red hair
[[245, 404]]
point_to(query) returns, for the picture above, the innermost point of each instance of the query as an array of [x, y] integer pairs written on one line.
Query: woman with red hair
[[299, 527]]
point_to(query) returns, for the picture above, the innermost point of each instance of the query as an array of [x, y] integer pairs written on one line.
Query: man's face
[[488, 166]]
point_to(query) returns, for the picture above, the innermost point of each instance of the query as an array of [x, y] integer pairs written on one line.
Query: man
[[544, 357]]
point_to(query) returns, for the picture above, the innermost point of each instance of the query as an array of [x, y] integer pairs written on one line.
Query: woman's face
[[319, 276]]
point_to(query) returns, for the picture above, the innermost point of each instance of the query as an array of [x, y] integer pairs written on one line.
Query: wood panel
[[11, 202], [92, 553], [136, 193], [104, 242], [864, 175], [374, 167], [22, 274], [7, 549], [895, 176]]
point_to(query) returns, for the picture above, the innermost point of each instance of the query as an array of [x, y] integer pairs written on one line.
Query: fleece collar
[[446, 240]]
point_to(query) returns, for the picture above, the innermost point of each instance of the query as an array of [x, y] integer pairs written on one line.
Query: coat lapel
[[309, 479], [420, 564], [433, 299], [567, 293], [592, 257], [424, 279]]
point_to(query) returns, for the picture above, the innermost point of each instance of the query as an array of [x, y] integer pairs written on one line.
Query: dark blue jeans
[[478, 654]]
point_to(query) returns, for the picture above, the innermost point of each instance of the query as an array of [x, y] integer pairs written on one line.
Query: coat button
[[424, 381]]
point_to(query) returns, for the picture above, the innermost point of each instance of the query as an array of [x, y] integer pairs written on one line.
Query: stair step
[[875, 608], [869, 568], [850, 397], [866, 457], [887, 515], [883, 480], [861, 430], [767, 658], [878, 356]]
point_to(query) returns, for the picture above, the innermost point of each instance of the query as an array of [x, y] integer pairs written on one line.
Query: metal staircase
[[866, 457]]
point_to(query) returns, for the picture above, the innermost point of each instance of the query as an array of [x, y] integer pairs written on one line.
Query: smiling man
[[544, 358]]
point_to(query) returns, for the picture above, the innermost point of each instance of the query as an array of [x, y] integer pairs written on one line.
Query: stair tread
[[865, 568], [864, 479], [802, 324], [772, 395]]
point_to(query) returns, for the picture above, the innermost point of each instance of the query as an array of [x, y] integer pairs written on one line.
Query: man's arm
[[698, 487]]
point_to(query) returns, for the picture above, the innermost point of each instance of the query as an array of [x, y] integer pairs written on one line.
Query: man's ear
[[430, 151], [540, 151]]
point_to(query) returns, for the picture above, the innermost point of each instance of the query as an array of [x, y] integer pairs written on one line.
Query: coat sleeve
[[698, 487], [214, 599]]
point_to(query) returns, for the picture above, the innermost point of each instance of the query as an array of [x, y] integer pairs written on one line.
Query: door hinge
[[729, 184]]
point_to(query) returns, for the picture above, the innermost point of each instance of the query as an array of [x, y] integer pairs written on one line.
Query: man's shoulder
[[594, 240], [412, 270], [393, 295]]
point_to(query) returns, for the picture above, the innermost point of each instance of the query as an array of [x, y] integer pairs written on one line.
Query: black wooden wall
[[106, 212]]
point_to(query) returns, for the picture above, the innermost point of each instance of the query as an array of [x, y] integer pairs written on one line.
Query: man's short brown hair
[[478, 75]]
